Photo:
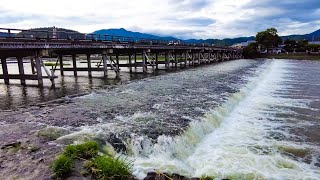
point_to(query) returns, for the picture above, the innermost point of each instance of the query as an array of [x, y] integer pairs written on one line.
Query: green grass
[[62, 166], [105, 167], [87, 150], [90, 163]]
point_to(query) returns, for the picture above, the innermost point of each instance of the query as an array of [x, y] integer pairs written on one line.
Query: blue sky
[[180, 18]]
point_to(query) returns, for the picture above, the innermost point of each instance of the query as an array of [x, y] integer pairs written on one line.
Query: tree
[[251, 51], [269, 38], [290, 45]]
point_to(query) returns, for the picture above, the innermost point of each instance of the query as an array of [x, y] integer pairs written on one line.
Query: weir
[[153, 53]]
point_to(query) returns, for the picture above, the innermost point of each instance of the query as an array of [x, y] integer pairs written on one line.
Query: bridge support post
[[144, 59], [105, 64], [130, 63], [74, 61], [89, 65], [5, 70], [21, 71], [117, 62], [135, 60], [193, 58], [167, 61], [185, 58], [175, 60], [61, 65], [39, 71], [32, 65], [157, 61]]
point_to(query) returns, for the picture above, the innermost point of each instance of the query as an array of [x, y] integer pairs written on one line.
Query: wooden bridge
[[112, 50]]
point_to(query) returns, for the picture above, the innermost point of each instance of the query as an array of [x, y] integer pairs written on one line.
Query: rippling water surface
[[239, 119]]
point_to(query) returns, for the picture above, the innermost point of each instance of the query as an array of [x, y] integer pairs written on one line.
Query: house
[[242, 44]]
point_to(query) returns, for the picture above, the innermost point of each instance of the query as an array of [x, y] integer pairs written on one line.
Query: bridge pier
[[157, 60], [185, 58], [74, 61], [33, 66], [135, 60], [21, 71], [89, 65], [117, 62], [5, 70], [39, 71], [144, 59], [166, 57], [105, 64], [130, 63], [61, 65]]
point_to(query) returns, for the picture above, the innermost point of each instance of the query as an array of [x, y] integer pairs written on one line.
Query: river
[[250, 119]]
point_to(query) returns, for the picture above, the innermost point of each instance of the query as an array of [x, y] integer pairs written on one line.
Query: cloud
[[180, 18]]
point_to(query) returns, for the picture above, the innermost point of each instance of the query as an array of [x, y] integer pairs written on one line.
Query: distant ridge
[[135, 35], [314, 36]]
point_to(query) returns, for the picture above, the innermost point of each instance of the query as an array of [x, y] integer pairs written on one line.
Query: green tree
[[251, 51], [269, 38], [290, 45]]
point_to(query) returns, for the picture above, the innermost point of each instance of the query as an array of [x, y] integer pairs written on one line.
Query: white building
[[243, 44]]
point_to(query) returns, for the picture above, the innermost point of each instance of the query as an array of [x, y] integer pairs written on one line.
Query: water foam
[[233, 139]]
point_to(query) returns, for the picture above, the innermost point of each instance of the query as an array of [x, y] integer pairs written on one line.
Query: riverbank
[[296, 56]]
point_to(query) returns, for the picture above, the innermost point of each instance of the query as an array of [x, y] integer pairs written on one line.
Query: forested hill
[[48, 31]]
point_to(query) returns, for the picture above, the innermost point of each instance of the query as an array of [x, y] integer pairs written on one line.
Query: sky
[[185, 19]]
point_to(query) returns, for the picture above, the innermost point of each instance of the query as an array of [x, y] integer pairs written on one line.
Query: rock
[[151, 176], [11, 145]]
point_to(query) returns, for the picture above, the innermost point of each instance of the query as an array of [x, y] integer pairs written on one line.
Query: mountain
[[221, 42], [134, 35], [314, 36], [44, 32], [138, 35]]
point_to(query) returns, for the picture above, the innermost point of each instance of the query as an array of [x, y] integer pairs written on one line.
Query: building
[[243, 44]]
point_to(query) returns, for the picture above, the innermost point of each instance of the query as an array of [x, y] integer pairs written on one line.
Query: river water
[[249, 119]]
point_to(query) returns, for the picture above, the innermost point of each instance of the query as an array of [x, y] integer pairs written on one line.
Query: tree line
[[269, 39]]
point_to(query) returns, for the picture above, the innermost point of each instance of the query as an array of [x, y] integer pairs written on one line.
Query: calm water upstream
[[239, 119]]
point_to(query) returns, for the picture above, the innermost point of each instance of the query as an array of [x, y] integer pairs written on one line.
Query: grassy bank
[[90, 161], [297, 56]]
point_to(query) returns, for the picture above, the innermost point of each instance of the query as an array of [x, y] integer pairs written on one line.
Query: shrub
[[62, 166], [105, 167], [86, 150]]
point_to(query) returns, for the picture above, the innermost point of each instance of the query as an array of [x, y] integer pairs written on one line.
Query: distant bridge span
[[142, 53]]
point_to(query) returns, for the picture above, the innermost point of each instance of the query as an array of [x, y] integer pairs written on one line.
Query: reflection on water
[[16, 95]]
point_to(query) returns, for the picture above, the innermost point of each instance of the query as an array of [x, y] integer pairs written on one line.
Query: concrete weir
[[111, 49]]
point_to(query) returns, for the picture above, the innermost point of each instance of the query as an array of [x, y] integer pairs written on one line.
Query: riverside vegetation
[[92, 161]]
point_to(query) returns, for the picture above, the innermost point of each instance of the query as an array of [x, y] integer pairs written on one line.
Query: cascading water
[[233, 140], [239, 119]]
